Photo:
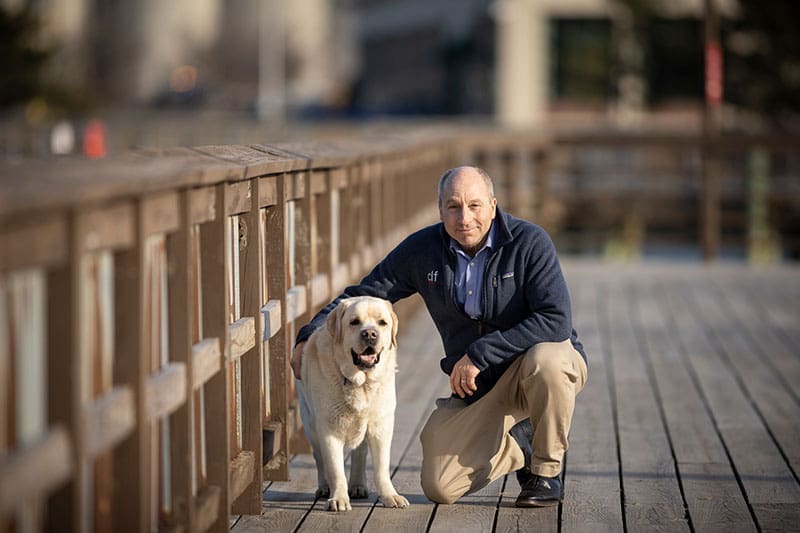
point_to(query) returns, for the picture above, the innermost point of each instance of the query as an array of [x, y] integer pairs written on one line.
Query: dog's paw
[[323, 492], [394, 500], [358, 492], [339, 504]]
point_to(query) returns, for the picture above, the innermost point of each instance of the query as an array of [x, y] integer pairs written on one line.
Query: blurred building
[[521, 61]]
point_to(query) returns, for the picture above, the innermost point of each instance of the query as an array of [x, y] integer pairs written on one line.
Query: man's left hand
[[462, 378]]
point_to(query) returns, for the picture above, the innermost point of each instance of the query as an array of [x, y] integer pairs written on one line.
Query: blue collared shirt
[[469, 276]]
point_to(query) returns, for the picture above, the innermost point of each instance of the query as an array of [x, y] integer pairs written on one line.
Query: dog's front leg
[[358, 472], [333, 457], [380, 440]]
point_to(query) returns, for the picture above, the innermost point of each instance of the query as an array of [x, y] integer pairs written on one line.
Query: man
[[494, 288]]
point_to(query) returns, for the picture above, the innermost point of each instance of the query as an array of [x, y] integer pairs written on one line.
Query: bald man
[[493, 285]]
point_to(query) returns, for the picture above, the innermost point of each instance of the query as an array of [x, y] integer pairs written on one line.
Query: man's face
[[467, 209]]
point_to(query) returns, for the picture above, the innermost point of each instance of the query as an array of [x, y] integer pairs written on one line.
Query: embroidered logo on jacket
[[432, 277]]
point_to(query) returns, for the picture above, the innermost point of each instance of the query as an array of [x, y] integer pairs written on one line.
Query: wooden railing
[[148, 304], [148, 301]]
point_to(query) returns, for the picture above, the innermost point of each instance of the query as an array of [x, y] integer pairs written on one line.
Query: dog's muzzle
[[366, 359]]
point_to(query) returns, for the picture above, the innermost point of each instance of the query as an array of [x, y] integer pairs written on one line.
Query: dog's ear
[[394, 327], [334, 321]]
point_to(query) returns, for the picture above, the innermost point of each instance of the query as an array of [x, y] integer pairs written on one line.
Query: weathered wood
[[295, 302], [592, 482], [202, 205], [215, 244], [239, 197], [279, 345], [248, 500], [160, 213], [320, 293], [207, 507], [109, 419], [106, 228], [40, 243], [267, 191], [132, 463], [242, 469], [242, 334], [181, 298], [166, 390], [32, 472], [271, 317]]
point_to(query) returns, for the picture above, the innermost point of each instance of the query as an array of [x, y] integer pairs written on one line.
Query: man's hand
[[462, 378], [296, 361]]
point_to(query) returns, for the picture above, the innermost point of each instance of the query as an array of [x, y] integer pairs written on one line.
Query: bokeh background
[[95, 77]]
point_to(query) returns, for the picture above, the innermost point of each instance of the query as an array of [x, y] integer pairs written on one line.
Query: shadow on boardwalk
[[690, 418]]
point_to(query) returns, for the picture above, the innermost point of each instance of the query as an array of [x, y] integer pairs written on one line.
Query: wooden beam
[[106, 227], [243, 336], [166, 390], [202, 205], [109, 419], [271, 316], [207, 507], [31, 473], [206, 361], [160, 213], [242, 472], [239, 197], [39, 243], [215, 243]]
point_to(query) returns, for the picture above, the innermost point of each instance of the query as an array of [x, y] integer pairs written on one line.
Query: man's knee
[[550, 362], [435, 490]]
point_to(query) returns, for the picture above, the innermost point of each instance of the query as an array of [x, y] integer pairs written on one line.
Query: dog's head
[[365, 327]]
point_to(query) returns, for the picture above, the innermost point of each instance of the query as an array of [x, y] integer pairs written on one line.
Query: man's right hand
[[296, 361]]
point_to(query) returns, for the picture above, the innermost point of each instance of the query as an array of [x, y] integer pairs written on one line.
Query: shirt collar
[[488, 244]]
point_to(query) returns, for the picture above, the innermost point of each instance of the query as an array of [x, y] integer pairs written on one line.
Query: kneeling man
[[494, 288]]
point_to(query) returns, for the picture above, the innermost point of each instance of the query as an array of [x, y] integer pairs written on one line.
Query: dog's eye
[[382, 322], [355, 322]]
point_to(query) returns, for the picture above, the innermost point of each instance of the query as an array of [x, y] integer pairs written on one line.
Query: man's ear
[[395, 323], [334, 322]]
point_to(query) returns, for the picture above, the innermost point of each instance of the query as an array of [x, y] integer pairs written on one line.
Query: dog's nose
[[369, 335]]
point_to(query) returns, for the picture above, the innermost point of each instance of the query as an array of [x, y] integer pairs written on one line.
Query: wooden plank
[[762, 472], [39, 243], [132, 458], [267, 191], [206, 361], [215, 243], [207, 507], [109, 419], [160, 213], [271, 317], [181, 298], [295, 302], [248, 499], [472, 512], [242, 334], [592, 485], [65, 381], [31, 473], [202, 205], [106, 227], [698, 449], [166, 390], [239, 197], [257, 162], [650, 483], [279, 345], [242, 469], [320, 294]]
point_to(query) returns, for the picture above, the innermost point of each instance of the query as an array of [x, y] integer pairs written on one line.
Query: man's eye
[[355, 322]]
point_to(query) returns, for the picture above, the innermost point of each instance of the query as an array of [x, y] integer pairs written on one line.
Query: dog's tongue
[[368, 358]]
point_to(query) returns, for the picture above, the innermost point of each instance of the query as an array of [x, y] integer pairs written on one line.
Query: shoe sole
[[540, 503]]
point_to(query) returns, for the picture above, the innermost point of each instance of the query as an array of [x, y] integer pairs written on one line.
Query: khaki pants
[[464, 448]]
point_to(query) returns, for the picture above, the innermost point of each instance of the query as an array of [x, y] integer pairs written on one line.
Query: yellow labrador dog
[[348, 386]]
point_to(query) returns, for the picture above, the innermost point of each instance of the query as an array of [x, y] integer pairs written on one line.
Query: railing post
[[215, 243], [277, 254]]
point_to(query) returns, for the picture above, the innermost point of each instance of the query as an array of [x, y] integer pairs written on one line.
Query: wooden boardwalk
[[690, 420]]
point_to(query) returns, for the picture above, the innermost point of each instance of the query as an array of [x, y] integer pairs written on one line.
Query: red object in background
[[713, 73], [94, 139]]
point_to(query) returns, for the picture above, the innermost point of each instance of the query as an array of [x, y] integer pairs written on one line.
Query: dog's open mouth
[[366, 359]]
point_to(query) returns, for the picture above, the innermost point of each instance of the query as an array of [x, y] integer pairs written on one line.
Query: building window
[[580, 60]]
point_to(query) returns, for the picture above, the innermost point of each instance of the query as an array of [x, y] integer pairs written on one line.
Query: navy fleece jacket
[[525, 297]]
